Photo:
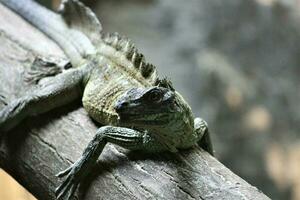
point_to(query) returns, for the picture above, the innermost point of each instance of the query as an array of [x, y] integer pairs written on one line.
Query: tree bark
[[44, 145]]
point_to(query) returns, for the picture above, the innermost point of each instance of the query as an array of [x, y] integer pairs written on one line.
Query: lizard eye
[[154, 96]]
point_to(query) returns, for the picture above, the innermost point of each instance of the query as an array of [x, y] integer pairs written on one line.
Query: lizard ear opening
[[82, 18]]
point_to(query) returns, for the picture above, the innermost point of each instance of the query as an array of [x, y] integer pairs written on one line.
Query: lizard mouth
[[142, 119], [127, 113]]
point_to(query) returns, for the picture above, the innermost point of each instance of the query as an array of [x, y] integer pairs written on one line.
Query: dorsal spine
[[124, 45]]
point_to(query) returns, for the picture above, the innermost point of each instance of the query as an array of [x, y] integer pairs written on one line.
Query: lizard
[[118, 89]]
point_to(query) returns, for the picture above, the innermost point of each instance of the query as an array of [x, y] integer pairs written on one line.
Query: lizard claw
[[70, 184], [64, 172]]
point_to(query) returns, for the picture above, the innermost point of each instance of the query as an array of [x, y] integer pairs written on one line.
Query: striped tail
[[74, 42]]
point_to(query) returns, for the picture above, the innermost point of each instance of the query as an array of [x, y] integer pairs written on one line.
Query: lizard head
[[158, 108]]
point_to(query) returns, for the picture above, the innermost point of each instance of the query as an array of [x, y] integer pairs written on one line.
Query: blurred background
[[237, 62]]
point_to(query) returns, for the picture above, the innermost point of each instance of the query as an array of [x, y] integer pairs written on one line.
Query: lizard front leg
[[56, 92], [201, 128], [125, 137]]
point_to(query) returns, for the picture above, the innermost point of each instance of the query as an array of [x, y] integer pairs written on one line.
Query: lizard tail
[[73, 42]]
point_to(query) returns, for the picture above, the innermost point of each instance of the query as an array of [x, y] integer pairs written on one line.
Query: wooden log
[[44, 145]]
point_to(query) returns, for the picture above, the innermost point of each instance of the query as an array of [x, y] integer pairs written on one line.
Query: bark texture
[[44, 145]]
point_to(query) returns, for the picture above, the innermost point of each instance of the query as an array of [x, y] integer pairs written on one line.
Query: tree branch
[[42, 146]]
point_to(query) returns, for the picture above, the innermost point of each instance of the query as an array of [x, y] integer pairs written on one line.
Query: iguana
[[119, 89]]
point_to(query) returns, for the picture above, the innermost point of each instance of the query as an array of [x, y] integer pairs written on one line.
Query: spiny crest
[[165, 83], [123, 44], [120, 43]]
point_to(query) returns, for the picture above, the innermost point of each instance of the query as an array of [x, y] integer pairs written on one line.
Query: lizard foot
[[44, 67], [70, 184]]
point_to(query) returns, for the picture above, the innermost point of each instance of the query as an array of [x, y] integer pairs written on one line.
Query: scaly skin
[[118, 89]]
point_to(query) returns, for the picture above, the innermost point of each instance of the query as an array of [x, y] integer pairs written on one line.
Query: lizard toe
[[68, 187], [64, 172]]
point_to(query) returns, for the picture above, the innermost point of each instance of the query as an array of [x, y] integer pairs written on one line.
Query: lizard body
[[119, 89]]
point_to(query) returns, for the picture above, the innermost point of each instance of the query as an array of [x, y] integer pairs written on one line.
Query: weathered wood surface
[[42, 146]]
